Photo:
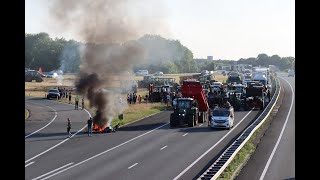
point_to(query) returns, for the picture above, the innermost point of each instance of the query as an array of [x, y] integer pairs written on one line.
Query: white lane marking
[[185, 134], [163, 147], [279, 138], [106, 151], [52, 171], [200, 125], [29, 164], [54, 145], [205, 153], [55, 112], [133, 166], [58, 143]]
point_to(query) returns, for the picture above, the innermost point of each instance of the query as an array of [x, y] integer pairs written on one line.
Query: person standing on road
[[76, 106], [69, 97], [90, 126], [82, 102], [68, 128]]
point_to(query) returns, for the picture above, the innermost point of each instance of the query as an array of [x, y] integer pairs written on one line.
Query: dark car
[[53, 93]]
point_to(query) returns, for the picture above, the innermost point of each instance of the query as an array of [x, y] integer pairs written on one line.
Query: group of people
[[132, 98], [89, 126], [65, 93], [76, 104]]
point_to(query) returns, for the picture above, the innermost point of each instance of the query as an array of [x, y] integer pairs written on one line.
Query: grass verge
[[244, 154]]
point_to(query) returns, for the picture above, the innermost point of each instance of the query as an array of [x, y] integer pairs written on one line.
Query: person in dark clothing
[[269, 94], [70, 97], [90, 126], [69, 128], [76, 102], [82, 102], [134, 98]]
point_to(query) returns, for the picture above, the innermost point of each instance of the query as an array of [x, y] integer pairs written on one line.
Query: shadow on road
[[142, 127], [37, 135], [35, 98]]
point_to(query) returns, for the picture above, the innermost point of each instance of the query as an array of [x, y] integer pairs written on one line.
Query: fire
[[98, 129]]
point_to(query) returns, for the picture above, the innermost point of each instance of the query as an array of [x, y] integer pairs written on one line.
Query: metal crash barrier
[[214, 171]]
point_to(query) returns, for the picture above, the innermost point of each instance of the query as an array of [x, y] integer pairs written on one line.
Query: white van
[[222, 118], [142, 72]]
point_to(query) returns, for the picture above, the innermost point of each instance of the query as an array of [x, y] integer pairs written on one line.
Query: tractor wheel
[[39, 80], [172, 123], [261, 105], [201, 118], [191, 121]]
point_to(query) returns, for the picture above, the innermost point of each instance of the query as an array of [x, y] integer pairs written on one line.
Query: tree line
[[166, 55]]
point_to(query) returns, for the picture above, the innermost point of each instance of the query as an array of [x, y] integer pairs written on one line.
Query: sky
[[224, 29]]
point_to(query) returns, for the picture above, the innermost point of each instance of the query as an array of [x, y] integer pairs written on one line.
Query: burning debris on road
[[109, 29]]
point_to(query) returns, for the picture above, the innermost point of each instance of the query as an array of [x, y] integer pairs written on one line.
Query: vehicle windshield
[[184, 104], [222, 113], [247, 77], [54, 91]]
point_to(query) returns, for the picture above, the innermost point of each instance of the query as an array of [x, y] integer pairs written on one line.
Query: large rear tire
[[191, 121], [261, 105], [201, 118], [173, 123]]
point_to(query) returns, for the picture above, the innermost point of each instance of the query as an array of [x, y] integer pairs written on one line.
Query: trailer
[[192, 107]]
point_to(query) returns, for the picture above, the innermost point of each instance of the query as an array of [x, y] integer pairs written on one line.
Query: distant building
[[209, 57]]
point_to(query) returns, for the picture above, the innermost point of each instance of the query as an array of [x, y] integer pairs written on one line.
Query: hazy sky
[[225, 29]]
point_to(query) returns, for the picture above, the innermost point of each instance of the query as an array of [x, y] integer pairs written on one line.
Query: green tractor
[[185, 112], [31, 75]]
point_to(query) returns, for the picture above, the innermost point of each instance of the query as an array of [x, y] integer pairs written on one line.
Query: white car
[[142, 72], [158, 73], [222, 118]]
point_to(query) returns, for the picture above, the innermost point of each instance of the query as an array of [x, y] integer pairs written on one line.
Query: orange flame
[[98, 129]]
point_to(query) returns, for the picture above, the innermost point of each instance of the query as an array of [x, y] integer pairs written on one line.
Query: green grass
[[241, 157], [133, 116], [247, 150], [133, 113], [26, 114]]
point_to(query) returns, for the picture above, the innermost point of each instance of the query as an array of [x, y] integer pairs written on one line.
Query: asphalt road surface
[[148, 149], [275, 156]]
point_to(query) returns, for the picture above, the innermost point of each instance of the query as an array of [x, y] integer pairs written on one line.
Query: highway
[[146, 149], [274, 158]]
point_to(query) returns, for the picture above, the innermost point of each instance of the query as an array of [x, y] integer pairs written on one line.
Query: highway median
[[241, 158]]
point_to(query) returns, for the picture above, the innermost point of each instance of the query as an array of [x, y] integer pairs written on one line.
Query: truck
[[234, 78], [156, 93], [237, 96], [261, 77], [255, 95], [192, 107]]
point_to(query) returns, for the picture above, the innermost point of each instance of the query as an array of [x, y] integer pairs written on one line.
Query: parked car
[[205, 72], [158, 73], [53, 93], [142, 72]]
